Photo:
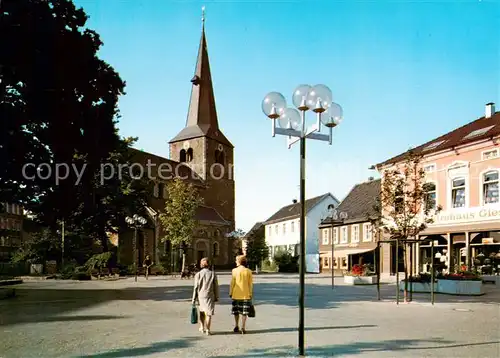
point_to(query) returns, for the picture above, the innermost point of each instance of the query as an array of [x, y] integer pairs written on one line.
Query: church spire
[[202, 114]]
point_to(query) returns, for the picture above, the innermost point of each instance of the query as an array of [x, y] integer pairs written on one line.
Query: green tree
[[40, 247], [179, 218], [256, 248], [58, 105], [406, 206]]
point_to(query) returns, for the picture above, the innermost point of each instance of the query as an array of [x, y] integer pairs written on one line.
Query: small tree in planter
[[407, 206]]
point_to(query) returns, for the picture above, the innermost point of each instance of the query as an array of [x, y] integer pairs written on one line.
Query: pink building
[[463, 169]]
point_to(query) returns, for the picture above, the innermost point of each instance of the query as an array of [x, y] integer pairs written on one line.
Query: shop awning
[[346, 252]]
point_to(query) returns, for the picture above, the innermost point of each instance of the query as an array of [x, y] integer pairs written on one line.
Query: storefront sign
[[478, 214]]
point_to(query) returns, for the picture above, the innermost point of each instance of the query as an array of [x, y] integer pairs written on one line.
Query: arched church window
[[217, 233], [182, 156], [216, 249], [189, 155], [219, 157]]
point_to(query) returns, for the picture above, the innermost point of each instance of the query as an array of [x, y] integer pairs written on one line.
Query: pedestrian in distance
[[241, 291], [205, 294], [147, 266]]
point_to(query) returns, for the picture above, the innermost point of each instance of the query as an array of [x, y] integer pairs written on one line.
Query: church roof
[[207, 213], [202, 114]]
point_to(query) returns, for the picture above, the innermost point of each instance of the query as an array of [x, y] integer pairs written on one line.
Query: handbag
[[251, 311], [194, 315]]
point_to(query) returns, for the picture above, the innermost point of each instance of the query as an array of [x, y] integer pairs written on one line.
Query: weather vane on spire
[[203, 14]]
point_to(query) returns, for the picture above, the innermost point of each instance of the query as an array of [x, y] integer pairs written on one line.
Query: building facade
[[462, 176], [282, 229], [201, 154], [11, 230], [351, 239]]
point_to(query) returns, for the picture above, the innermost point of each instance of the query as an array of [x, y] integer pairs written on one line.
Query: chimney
[[490, 110]]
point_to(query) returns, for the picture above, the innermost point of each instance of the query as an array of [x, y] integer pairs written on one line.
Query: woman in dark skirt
[[241, 291]]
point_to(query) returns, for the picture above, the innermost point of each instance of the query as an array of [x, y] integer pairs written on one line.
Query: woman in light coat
[[205, 293]]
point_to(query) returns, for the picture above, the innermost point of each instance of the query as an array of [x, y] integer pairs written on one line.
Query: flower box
[[360, 280], [460, 287], [419, 287]]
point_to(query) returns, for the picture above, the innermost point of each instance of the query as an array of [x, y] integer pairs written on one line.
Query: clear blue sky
[[404, 72]]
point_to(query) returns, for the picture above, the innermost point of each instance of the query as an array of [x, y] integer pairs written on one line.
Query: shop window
[[430, 195], [490, 187], [458, 193], [325, 262]]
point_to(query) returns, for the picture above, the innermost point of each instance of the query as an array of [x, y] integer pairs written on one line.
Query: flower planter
[[419, 287], [460, 287], [360, 280]]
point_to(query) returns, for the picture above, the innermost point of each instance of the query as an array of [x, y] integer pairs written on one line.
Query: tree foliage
[[405, 206], [179, 218], [256, 248], [58, 105], [42, 246]]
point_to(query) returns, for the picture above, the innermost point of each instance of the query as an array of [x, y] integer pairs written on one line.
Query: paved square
[[151, 319]]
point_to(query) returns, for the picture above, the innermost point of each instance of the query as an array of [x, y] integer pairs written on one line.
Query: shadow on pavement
[[34, 304], [158, 347], [294, 329], [396, 345]]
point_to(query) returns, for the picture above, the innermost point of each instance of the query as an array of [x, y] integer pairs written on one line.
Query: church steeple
[[202, 114]]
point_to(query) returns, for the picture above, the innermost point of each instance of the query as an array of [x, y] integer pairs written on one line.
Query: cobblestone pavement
[[124, 318]]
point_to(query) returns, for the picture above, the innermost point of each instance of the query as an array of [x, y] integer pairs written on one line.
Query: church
[[202, 154]]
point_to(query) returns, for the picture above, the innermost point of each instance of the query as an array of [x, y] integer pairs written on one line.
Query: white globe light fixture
[[290, 122]]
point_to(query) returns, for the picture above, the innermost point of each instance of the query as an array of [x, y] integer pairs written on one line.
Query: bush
[[269, 266], [460, 276], [286, 262], [68, 270], [158, 270]]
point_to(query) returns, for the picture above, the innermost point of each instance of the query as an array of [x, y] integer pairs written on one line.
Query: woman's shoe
[[201, 329], [236, 329], [208, 333], [243, 331]]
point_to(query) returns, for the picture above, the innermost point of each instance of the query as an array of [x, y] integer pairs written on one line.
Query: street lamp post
[[335, 217], [291, 122], [135, 222]]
